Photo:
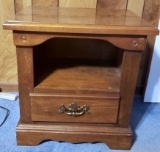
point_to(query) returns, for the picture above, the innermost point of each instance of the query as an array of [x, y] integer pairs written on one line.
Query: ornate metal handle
[[74, 109]]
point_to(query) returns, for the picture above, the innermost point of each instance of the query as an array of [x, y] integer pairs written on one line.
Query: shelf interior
[[70, 68]]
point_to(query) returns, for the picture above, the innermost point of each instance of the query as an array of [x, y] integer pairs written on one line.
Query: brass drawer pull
[[74, 109]]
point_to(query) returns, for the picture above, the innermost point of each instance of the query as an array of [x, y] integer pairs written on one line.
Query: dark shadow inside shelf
[[76, 61]]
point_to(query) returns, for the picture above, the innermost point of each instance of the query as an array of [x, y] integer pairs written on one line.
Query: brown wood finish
[[151, 10], [130, 71], [150, 13], [47, 80], [112, 4], [115, 138], [79, 48], [97, 24], [8, 61], [101, 110], [80, 77], [129, 43], [25, 80]]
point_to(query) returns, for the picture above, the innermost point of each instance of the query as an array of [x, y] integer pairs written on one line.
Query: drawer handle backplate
[[74, 109]]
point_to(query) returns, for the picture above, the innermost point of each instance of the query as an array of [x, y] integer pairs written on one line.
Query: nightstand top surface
[[80, 20]]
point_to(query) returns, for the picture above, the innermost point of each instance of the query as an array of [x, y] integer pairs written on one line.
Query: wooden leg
[[26, 80], [130, 70]]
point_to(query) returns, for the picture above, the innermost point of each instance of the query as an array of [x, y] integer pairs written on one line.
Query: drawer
[[72, 109]]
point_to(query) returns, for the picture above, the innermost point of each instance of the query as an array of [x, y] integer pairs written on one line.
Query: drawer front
[[87, 110]]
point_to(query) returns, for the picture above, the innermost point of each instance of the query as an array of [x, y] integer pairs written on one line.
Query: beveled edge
[[84, 29]]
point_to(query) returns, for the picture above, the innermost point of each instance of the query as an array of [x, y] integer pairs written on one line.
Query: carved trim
[[123, 42], [114, 137]]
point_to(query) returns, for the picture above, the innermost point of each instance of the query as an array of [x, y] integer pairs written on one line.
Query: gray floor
[[145, 123]]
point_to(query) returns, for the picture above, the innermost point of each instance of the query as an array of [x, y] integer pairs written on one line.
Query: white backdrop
[[152, 93]]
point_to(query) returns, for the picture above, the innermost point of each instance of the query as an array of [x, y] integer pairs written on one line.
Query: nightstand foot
[[114, 137]]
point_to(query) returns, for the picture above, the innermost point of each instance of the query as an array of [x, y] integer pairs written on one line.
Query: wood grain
[[21, 4], [109, 135], [112, 4], [150, 13], [124, 30], [46, 108], [78, 3], [151, 10], [130, 70], [81, 20], [45, 3], [83, 78], [25, 80], [8, 67], [137, 9], [116, 41], [73, 49]]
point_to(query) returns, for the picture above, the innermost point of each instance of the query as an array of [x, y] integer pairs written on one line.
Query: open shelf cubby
[[81, 67]]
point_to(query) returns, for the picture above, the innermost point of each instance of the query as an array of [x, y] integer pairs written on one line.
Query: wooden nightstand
[[77, 73]]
